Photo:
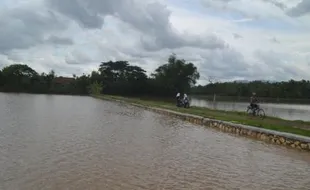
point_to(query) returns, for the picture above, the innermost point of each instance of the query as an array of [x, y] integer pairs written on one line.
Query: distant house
[[63, 80]]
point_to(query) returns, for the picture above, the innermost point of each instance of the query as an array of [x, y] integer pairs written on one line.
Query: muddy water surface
[[64, 142]]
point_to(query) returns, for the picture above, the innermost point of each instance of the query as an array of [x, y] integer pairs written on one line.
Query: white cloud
[[227, 39]]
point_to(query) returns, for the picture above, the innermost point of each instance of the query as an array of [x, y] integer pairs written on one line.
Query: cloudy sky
[[226, 39]]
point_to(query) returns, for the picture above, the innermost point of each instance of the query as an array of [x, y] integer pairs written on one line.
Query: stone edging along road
[[275, 137]]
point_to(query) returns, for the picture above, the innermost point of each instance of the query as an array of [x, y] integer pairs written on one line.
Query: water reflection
[[285, 111]]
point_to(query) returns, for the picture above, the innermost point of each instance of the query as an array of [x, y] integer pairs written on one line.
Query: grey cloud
[[274, 40], [3, 61], [237, 36], [225, 64], [276, 3], [73, 62], [77, 57], [300, 9], [277, 66], [279, 4], [59, 40], [15, 56], [210, 3], [78, 11], [224, 5], [151, 19], [23, 28]]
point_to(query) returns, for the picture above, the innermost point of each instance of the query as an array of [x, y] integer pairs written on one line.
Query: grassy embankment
[[277, 124]]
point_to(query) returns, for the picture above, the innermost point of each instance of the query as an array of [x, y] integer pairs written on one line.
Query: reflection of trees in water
[[211, 104], [284, 113], [290, 112], [234, 106], [214, 105], [230, 106], [276, 112]]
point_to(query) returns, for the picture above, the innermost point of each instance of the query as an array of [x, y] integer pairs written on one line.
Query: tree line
[[123, 78], [286, 89], [112, 77]]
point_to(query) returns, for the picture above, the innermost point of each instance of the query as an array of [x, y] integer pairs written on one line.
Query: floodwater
[[64, 142], [284, 111]]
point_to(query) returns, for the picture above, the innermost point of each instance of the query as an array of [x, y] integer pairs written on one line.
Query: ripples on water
[[64, 142]]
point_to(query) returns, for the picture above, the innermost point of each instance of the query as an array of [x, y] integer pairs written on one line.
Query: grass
[[277, 124]]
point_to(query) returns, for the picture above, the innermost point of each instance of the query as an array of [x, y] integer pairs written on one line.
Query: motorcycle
[[183, 103]]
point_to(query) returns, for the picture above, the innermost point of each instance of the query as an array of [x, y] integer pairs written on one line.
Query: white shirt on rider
[[185, 96]]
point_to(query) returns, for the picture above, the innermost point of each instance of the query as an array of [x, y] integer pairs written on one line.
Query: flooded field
[[64, 142], [284, 111]]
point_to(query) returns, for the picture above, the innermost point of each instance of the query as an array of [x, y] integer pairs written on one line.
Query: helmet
[[253, 93]]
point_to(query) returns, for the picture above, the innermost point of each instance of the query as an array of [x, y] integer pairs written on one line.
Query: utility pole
[[211, 80]]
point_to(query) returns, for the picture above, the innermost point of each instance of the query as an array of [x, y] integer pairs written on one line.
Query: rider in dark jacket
[[254, 101]]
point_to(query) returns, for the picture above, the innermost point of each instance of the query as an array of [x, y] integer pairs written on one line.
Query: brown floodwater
[[64, 142]]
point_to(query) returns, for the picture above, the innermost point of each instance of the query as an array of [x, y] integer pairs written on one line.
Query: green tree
[[81, 84], [1, 80], [176, 75], [18, 77], [278, 90], [95, 88], [96, 76], [122, 78]]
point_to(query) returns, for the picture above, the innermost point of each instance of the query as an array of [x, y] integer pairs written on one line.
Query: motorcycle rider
[[178, 98], [185, 98]]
